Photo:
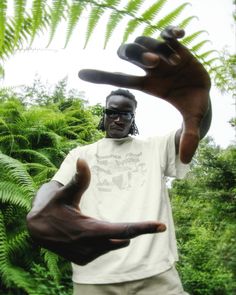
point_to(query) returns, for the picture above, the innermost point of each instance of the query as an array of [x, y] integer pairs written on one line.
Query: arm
[[172, 74], [56, 222], [203, 129]]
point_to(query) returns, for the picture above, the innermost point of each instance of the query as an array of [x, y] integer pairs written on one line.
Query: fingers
[[172, 33], [73, 191], [147, 52], [129, 230], [116, 79]]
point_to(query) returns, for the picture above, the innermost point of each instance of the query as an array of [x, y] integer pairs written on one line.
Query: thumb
[[73, 191]]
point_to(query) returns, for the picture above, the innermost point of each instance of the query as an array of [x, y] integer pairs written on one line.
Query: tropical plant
[[204, 207], [20, 30], [34, 139]]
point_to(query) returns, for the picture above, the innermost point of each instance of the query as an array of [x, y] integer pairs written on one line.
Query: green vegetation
[[204, 207], [21, 22], [38, 127], [34, 139]]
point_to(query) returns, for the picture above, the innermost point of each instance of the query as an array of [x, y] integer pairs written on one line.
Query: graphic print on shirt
[[117, 171]]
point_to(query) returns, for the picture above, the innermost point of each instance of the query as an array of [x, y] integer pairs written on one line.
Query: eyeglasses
[[113, 114]]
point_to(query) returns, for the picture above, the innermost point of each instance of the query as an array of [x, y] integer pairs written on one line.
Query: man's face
[[119, 116]]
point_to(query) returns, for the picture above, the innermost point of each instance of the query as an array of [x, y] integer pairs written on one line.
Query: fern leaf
[[187, 40], [150, 14], [183, 24], [37, 17], [198, 46], [152, 11], [133, 6], [131, 26], [17, 173], [37, 156], [18, 18], [206, 54], [15, 194], [3, 8], [51, 260], [170, 18], [75, 11], [94, 17], [114, 20], [57, 12], [17, 242]]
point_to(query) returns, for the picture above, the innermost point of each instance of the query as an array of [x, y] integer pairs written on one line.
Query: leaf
[[169, 18], [37, 17], [94, 17], [183, 24], [75, 12], [57, 13], [18, 19], [3, 8], [187, 40]]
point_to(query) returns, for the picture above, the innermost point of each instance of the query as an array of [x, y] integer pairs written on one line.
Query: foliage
[[34, 139], [204, 205], [29, 21]]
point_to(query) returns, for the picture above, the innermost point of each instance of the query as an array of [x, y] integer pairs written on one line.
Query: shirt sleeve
[[172, 166], [67, 168]]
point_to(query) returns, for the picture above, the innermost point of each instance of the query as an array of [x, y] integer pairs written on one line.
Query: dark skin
[[173, 74]]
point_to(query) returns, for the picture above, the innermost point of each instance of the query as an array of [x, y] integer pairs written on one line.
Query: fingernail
[[174, 59], [150, 59], [161, 227], [179, 33]]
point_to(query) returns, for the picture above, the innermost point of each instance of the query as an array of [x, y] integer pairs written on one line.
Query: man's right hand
[[56, 222]]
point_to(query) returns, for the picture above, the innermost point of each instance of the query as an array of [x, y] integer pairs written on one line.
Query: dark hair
[[133, 128], [125, 93]]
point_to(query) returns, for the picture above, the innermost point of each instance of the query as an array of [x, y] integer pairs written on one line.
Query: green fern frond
[[35, 156], [198, 46], [37, 17], [153, 10], [133, 6], [171, 17], [114, 20], [3, 8], [183, 24], [17, 173], [75, 11], [187, 40], [12, 193], [12, 138], [18, 242], [57, 13], [210, 62], [130, 28], [204, 55], [150, 14], [51, 260], [18, 18], [94, 17], [2, 72]]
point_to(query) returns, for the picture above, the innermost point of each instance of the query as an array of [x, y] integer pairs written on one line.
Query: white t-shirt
[[128, 184]]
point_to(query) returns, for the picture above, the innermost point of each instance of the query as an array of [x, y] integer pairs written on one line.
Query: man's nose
[[117, 119]]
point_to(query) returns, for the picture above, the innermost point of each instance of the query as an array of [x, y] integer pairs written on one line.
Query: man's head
[[118, 119]]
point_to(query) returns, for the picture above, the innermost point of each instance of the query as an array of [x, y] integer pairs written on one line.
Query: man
[[127, 179]]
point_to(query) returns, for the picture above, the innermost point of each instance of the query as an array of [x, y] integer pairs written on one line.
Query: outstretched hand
[[59, 225], [172, 73]]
